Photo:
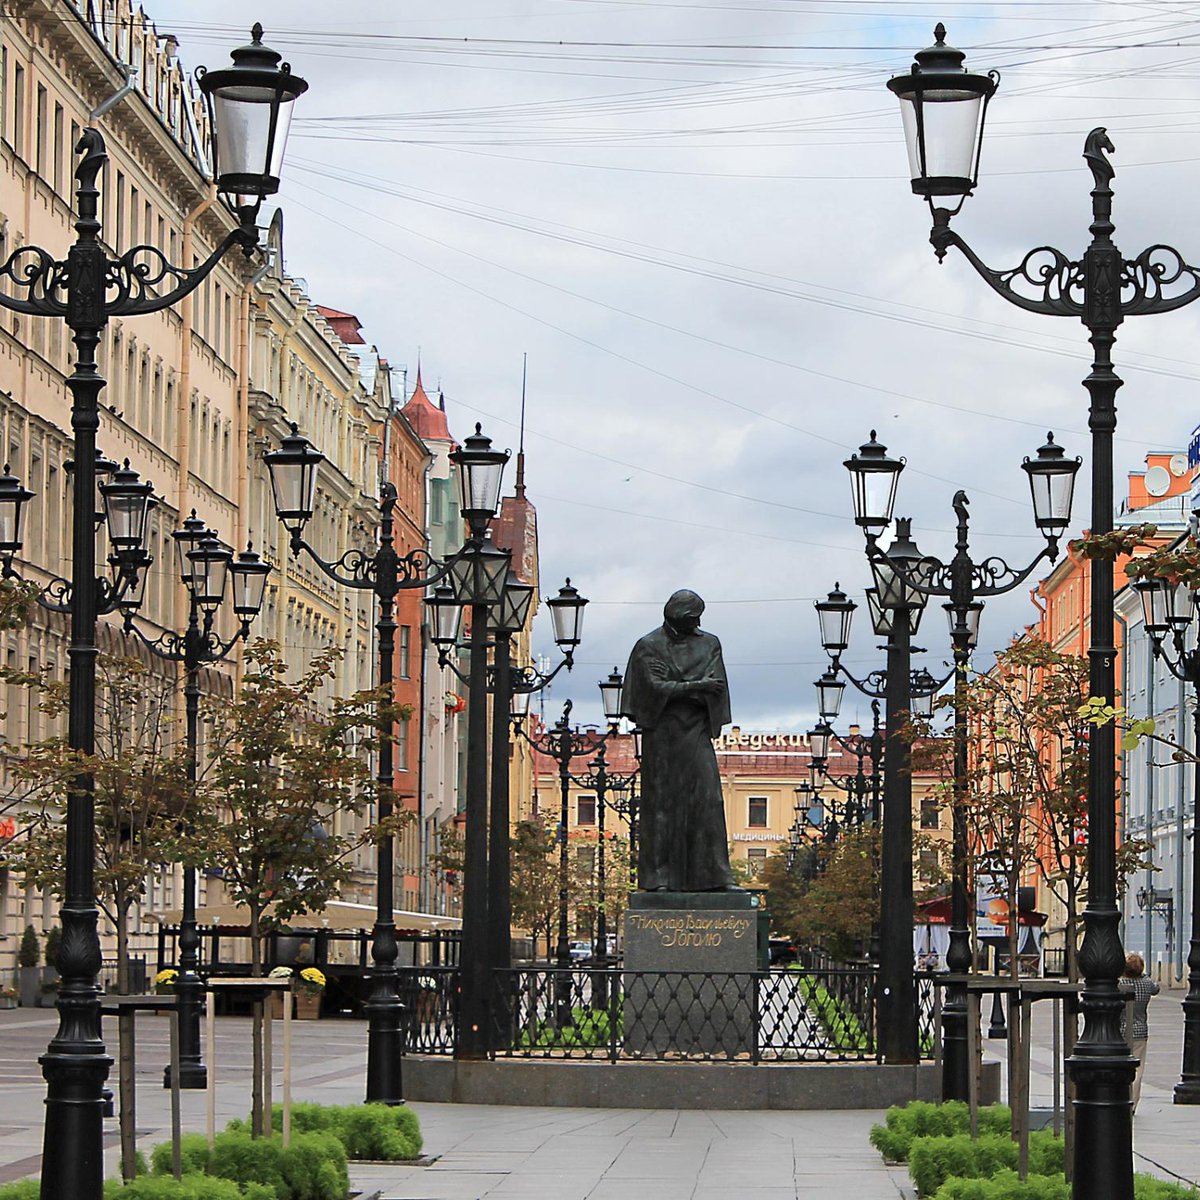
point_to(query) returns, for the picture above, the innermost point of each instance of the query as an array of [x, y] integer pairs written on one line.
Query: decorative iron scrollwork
[[1158, 280], [41, 277]]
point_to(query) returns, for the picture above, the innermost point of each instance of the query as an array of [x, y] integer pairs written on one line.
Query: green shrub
[[589, 1027], [23, 1189], [313, 1167], [845, 1030], [933, 1160], [922, 1119], [28, 952], [1005, 1185], [53, 941], [193, 1155], [378, 1132], [190, 1187]]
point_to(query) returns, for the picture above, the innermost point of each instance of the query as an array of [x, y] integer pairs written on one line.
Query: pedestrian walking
[[1137, 989]]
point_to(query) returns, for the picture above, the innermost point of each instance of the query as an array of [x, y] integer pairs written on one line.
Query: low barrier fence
[[611, 1014]]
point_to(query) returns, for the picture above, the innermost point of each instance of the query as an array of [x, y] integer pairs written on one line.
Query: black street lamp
[[562, 744], [965, 583], [85, 290], [605, 782], [205, 566], [385, 573], [897, 610], [478, 576], [1101, 289], [510, 688], [896, 620], [1168, 609], [862, 787]]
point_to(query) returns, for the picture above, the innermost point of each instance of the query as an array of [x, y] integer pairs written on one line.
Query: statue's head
[[683, 611]]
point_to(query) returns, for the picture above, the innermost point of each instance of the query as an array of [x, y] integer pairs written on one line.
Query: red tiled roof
[[425, 417], [345, 325]]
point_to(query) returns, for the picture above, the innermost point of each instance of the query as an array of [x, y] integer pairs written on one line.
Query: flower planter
[[8, 1002], [30, 985], [308, 1005]]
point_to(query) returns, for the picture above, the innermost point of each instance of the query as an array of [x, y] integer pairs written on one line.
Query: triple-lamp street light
[[965, 583], [605, 783], [249, 107], [944, 107], [478, 566], [896, 611], [1169, 610], [511, 688], [205, 567]]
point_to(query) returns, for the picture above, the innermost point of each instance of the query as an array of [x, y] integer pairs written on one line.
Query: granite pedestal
[[691, 982]]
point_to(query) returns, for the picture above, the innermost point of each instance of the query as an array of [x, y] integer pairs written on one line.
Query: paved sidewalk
[[571, 1154]]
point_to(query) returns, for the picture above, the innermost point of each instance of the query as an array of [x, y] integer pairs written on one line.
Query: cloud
[[812, 309]]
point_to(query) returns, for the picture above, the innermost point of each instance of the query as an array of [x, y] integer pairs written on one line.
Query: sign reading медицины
[[690, 929]]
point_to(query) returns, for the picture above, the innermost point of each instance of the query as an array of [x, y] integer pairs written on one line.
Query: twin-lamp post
[[249, 106]]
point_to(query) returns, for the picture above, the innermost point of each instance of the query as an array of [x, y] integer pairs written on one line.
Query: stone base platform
[[718, 1086]]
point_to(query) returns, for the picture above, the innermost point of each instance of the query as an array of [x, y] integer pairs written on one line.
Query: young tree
[[841, 903], [533, 863], [281, 773], [1028, 781], [142, 794]]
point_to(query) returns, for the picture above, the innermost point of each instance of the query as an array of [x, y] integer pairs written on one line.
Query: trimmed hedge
[[923, 1119], [313, 1167], [933, 1160], [376, 1132], [1006, 1186], [590, 1027], [156, 1187], [845, 1030], [190, 1187], [23, 1189]]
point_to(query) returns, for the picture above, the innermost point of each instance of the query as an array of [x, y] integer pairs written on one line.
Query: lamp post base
[[73, 1164], [192, 1076], [1187, 1091], [956, 1063], [385, 1049]]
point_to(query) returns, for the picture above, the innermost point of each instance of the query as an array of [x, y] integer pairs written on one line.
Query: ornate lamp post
[[250, 105], [205, 566], [562, 744], [510, 688], [965, 583], [1169, 610], [944, 107], [385, 573], [896, 614]]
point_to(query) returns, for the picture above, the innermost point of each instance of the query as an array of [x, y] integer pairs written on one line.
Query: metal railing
[[825, 1015]]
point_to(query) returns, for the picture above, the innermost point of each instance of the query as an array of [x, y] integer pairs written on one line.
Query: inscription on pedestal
[[691, 984]]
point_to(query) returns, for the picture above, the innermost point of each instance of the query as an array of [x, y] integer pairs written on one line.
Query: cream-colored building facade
[[195, 394]]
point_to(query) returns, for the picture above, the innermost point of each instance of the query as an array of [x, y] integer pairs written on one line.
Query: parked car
[[580, 951], [783, 952]]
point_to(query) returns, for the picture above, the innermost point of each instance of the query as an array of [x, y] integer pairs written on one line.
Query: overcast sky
[[695, 217]]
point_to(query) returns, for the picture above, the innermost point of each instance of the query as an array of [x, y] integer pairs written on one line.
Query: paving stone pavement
[[571, 1154]]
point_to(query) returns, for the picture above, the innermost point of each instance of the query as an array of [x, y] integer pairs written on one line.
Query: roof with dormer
[[426, 418]]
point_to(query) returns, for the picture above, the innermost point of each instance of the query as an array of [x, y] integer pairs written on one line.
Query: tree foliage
[[282, 776], [1028, 779], [141, 789], [533, 865]]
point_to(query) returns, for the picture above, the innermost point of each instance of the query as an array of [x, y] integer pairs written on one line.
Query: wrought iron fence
[[823, 1015]]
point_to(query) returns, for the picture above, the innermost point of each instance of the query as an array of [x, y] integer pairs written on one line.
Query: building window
[[757, 817], [931, 817], [405, 650], [585, 813], [756, 857], [402, 745]]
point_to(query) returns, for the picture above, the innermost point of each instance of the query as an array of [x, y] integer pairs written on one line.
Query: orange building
[[1157, 495]]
